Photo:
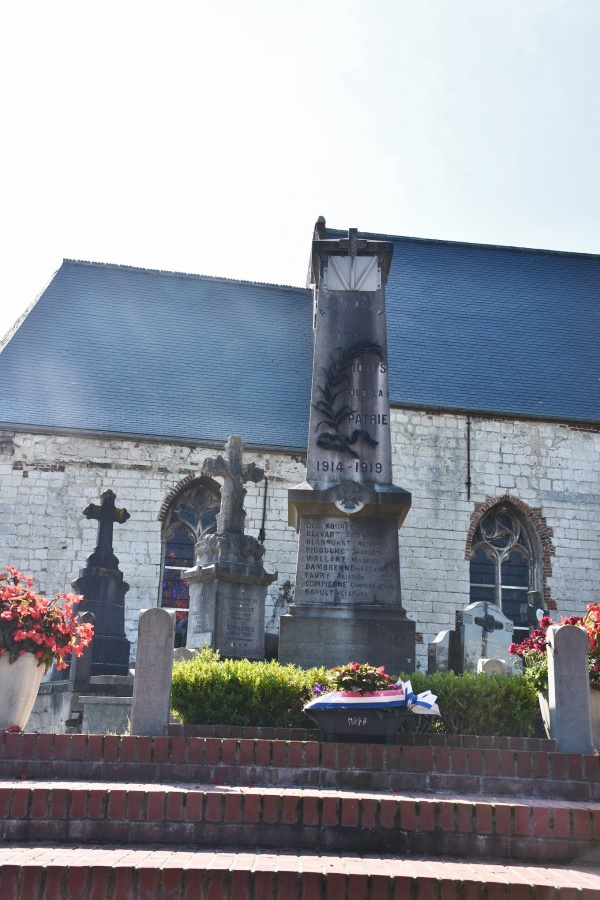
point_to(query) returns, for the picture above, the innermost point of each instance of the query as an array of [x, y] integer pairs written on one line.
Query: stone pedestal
[[103, 589], [347, 603], [104, 595], [228, 588]]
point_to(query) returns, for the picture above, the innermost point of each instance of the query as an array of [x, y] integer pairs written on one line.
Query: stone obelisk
[[347, 604]]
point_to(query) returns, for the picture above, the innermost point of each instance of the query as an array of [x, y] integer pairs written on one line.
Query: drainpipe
[[262, 533], [468, 481]]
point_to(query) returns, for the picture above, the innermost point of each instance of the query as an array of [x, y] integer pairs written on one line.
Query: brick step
[[411, 738], [371, 767], [59, 872], [328, 820]]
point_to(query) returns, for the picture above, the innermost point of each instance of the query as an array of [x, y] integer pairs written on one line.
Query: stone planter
[[359, 725], [19, 685]]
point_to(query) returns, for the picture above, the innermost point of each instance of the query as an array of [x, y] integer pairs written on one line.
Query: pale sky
[[207, 137]]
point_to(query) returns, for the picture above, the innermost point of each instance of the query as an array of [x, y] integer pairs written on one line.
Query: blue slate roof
[[493, 329], [166, 355], [117, 349]]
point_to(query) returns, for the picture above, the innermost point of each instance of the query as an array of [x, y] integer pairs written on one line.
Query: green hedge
[[209, 691], [479, 704]]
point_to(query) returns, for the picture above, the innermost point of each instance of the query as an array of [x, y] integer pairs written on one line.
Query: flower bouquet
[[30, 623]]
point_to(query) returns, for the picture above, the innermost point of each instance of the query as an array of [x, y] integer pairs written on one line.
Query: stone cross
[[106, 514], [488, 623], [234, 474]]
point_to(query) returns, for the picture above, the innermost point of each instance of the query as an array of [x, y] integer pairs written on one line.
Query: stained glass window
[[503, 566], [192, 514]]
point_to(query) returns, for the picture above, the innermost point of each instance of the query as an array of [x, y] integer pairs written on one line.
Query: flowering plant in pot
[[34, 632], [31, 623], [361, 701]]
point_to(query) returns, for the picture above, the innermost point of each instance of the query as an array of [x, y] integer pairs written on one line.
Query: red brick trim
[[538, 523], [527, 768], [182, 486]]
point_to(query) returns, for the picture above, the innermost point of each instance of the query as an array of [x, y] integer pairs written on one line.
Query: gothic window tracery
[[503, 565], [192, 514]]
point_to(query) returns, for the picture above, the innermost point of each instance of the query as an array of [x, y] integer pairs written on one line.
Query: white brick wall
[[554, 467]]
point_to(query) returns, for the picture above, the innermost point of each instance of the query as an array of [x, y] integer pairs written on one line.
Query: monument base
[[104, 595], [227, 612], [334, 636]]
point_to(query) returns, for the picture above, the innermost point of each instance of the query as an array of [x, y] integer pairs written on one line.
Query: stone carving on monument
[[347, 603], [101, 583], [228, 585]]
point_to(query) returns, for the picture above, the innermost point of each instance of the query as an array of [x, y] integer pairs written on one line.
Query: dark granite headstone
[[347, 603], [444, 653], [103, 589]]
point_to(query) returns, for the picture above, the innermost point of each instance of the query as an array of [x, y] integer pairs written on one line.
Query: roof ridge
[[101, 265], [422, 240]]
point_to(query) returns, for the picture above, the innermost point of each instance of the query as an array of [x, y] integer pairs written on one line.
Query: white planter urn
[[19, 686]]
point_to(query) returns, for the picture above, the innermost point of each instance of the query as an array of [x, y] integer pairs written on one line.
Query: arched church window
[[503, 565], [191, 515]]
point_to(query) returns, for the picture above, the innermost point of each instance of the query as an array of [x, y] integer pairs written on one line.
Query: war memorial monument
[[347, 602]]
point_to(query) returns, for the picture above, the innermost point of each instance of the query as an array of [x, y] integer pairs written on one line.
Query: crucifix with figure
[[106, 514], [228, 585], [234, 474]]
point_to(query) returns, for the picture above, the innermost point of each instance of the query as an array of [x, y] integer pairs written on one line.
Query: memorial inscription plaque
[[347, 602]]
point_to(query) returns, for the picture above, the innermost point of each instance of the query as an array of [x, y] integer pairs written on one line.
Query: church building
[[127, 379]]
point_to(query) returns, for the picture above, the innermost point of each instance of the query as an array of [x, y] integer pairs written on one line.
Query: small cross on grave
[[234, 474], [488, 623], [106, 514]]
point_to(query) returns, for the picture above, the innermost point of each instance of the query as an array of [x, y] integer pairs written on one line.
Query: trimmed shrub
[[478, 704], [210, 691]]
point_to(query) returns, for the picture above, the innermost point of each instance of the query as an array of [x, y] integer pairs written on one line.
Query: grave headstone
[[569, 689], [153, 673], [180, 653], [444, 653], [228, 585], [491, 667], [347, 603], [485, 632], [101, 583]]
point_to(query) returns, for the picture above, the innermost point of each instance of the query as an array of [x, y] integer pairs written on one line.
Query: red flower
[[32, 623]]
